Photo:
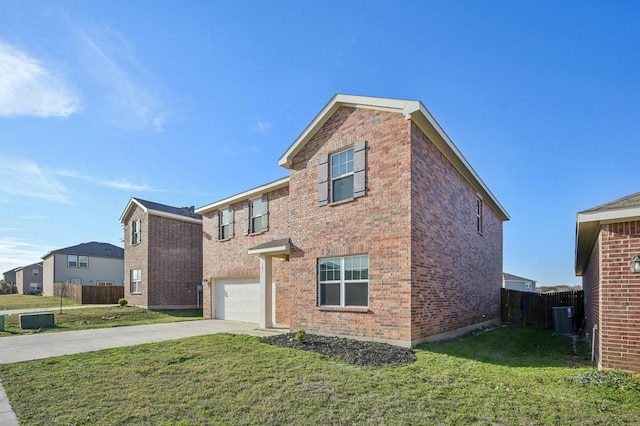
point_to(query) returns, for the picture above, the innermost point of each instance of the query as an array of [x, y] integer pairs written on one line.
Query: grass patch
[[482, 378], [25, 301], [111, 316]]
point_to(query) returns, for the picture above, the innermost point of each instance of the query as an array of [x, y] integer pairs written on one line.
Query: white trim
[[608, 215], [274, 251], [269, 187], [413, 110]]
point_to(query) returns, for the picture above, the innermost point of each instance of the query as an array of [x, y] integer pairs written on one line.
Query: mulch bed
[[349, 350]]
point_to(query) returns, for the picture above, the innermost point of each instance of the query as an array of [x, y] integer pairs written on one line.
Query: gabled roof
[[413, 110], [511, 277], [157, 209], [263, 189], [29, 266], [588, 223], [91, 249]]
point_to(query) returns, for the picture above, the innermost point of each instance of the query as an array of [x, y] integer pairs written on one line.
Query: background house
[[514, 282], [9, 277], [608, 260], [29, 279], [383, 231], [162, 255], [87, 264]]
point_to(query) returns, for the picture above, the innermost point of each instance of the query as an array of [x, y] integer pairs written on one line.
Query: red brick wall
[[229, 259], [175, 262], [136, 257], [591, 287], [377, 224], [170, 257], [619, 297], [457, 272]]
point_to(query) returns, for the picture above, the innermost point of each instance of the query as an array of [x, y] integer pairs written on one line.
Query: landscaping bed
[[349, 350]]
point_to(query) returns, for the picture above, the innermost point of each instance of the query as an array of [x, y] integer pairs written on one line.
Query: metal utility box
[[563, 319], [1, 322], [36, 321]]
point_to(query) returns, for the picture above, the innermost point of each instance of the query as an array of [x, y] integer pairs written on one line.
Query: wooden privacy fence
[[89, 294], [534, 309]]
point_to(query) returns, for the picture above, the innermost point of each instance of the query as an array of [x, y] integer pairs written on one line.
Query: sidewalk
[[39, 346]]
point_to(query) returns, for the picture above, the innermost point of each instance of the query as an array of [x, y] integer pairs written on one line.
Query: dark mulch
[[349, 350]]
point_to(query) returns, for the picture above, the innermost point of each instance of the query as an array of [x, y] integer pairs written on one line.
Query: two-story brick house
[[162, 255], [382, 231]]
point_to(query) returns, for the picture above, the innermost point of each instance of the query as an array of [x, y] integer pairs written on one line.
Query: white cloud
[[16, 252], [25, 178], [262, 127], [130, 91], [27, 88]]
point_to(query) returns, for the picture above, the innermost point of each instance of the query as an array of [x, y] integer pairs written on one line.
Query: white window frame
[[135, 232], [479, 215], [225, 227], [256, 215], [76, 281], [83, 260], [104, 283], [342, 281], [349, 163], [69, 262], [35, 272], [38, 287], [135, 286]]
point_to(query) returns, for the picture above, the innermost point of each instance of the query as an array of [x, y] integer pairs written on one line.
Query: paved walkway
[[39, 346]]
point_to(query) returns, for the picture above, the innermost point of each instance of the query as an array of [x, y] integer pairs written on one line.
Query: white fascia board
[[269, 187], [453, 154], [285, 249], [174, 216], [383, 104], [609, 215], [130, 204]]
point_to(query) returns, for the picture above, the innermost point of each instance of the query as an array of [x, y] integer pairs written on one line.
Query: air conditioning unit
[[563, 319]]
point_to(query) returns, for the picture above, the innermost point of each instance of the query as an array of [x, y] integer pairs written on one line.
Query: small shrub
[[300, 335], [123, 302]]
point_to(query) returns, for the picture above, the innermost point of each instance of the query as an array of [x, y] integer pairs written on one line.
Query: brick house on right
[[381, 231], [608, 260]]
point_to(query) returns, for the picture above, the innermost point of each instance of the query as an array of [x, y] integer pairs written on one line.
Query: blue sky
[[188, 102]]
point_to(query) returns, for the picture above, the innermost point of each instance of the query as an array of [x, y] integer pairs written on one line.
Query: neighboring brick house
[[162, 255], [382, 231], [87, 264], [608, 260], [514, 282], [29, 279]]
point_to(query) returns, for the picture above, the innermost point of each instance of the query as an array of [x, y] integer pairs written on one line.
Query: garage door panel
[[238, 299]]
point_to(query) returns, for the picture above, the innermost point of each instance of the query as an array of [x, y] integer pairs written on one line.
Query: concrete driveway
[[39, 346]]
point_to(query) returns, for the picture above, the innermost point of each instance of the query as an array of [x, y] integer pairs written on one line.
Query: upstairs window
[[342, 175], [135, 232], [72, 261], [225, 230], [479, 215], [256, 215], [35, 272]]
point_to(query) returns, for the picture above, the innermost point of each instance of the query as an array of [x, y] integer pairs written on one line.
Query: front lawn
[[25, 301], [507, 376], [101, 317]]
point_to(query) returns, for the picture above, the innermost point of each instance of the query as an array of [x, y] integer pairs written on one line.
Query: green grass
[[25, 301], [507, 376], [111, 316]]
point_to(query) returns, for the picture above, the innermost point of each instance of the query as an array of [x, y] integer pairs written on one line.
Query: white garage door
[[238, 299]]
